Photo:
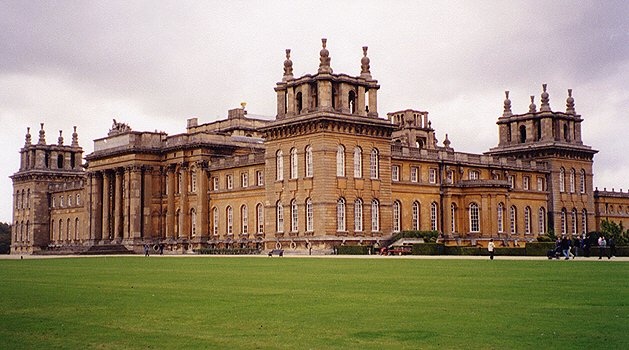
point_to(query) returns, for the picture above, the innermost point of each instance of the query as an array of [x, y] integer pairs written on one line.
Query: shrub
[[353, 250], [538, 248], [428, 249]]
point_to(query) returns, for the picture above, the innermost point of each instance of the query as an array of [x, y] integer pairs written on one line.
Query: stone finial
[[42, 135], [75, 138], [446, 142], [570, 103], [532, 106], [60, 139], [507, 106], [27, 141], [324, 66], [288, 67], [545, 106], [364, 65]]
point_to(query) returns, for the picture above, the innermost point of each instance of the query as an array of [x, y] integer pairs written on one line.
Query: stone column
[[360, 101], [170, 207], [95, 206], [184, 229], [373, 103], [135, 203], [202, 213], [106, 231], [118, 204], [125, 202], [146, 225]]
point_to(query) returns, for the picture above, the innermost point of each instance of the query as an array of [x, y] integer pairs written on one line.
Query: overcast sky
[[153, 64]]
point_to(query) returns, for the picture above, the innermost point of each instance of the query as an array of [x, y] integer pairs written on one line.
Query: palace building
[[327, 170]]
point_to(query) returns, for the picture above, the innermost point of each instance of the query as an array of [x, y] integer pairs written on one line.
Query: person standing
[[490, 247], [565, 247], [146, 249], [612, 247], [601, 246]]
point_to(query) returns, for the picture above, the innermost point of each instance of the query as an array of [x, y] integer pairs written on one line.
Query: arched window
[[374, 164], [215, 221], [453, 225], [177, 223], [351, 99], [68, 236], [293, 163], [564, 222], [573, 221], [358, 162], [279, 166], [433, 217], [179, 182], [584, 221], [60, 161], [541, 221], [294, 216], [358, 215], [279, 216], [416, 216], [76, 228], [260, 218], [513, 220], [308, 160], [28, 232], [28, 198], [340, 215], [527, 220], [298, 102], [60, 229], [78, 199], [244, 220], [375, 215], [522, 134], [397, 216], [230, 220], [474, 218], [340, 161], [193, 222], [562, 180], [309, 216], [582, 181], [193, 180], [500, 221], [572, 180]]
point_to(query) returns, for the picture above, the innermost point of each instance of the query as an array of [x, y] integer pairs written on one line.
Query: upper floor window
[[540, 184], [395, 172], [450, 177], [432, 175], [193, 180], [572, 180], [279, 166], [244, 180], [512, 181], [309, 165], [582, 181], [229, 179], [340, 161], [562, 180], [358, 162], [414, 174], [374, 164], [474, 175], [215, 183], [526, 183], [259, 178], [293, 163]]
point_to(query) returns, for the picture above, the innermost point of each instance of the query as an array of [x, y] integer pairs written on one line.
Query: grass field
[[312, 303]]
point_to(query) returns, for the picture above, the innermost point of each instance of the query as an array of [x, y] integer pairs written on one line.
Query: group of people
[[147, 249], [564, 246]]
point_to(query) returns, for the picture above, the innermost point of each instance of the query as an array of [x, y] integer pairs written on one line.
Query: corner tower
[[41, 166], [554, 138], [328, 157]]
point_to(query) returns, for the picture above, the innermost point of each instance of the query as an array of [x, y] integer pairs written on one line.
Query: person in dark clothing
[[565, 247], [586, 246], [611, 243], [161, 249]]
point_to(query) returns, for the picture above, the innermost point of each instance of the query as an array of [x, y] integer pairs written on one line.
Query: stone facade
[[326, 171]]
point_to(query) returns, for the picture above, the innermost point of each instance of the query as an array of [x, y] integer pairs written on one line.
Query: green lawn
[[288, 303]]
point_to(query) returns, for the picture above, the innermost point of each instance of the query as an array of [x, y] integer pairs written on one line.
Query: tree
[[613, 230], [5, 238]]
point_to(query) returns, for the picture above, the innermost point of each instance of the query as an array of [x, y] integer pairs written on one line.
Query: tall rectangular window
[[229, 179], [432, 175], [395, 173], [244, 180], [259, 178], [414, 173], [526, 183], [358, 163]]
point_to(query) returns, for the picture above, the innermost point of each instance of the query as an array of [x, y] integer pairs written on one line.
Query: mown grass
[[309, 303]]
